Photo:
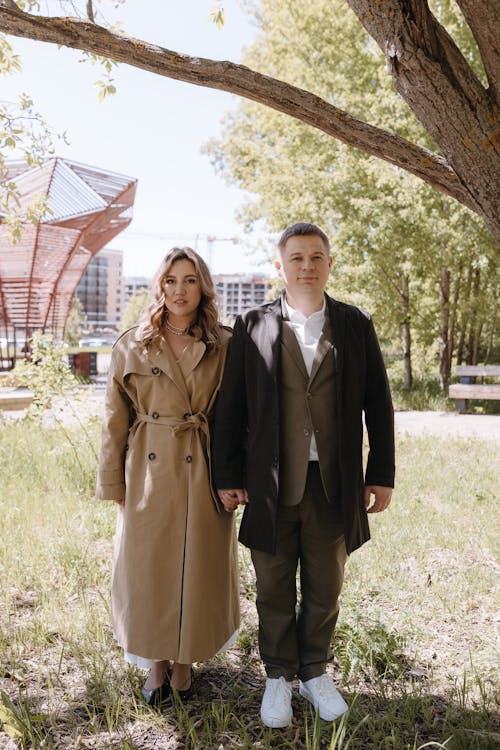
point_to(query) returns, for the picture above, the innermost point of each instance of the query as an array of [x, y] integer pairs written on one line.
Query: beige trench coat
[[175, 576]]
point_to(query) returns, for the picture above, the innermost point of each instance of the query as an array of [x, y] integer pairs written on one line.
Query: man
[[300, 373]]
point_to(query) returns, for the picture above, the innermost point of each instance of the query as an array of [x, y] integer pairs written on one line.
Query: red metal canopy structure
[[86, 208]]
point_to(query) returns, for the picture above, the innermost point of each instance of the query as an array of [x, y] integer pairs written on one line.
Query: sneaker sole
[[307, 695], [275, 723]]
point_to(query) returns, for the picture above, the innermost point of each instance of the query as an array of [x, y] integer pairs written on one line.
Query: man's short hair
[[299, 230]]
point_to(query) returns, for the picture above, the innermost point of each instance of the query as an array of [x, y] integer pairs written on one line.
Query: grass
[[426, 395], [414, 647], [74, 349]]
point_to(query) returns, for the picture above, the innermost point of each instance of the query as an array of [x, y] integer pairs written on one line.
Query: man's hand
[[382, 498], [230, 499]]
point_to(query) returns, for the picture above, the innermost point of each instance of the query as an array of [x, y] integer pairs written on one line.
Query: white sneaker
[[276, 708], [324, 696]]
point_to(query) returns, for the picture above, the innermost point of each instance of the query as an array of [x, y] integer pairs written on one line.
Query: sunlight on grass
[[414, 648]]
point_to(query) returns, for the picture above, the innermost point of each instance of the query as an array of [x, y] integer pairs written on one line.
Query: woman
[[174, 589]]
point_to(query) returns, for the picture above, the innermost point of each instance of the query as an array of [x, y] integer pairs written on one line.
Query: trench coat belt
[[197, 421], [178, 425]]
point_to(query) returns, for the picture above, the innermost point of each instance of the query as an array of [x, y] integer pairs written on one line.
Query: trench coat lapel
[[162, 356], [192, 356]]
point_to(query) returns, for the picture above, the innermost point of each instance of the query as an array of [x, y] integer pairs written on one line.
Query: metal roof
[[86, 208]]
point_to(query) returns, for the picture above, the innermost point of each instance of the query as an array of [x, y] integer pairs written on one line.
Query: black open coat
[[247, 429]]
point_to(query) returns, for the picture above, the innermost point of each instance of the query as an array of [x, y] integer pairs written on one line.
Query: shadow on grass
[[225, 714]]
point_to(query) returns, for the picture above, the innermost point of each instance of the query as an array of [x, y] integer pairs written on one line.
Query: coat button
[[155, 370], [189, 459], [306, 432], [152, 456], [155, 415]]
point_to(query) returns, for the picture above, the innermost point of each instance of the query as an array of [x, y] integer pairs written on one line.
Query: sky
[[152, 129]]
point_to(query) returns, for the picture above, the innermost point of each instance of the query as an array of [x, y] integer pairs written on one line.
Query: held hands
[[230, 499], [382, 498]]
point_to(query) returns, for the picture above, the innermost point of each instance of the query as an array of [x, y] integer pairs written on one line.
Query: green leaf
[[217, 15]]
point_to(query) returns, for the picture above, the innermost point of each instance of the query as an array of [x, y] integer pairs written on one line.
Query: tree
[[394, 239], [74, 323], [134, 309], [457, 104]]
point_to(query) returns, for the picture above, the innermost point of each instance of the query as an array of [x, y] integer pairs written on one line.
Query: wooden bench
[[468, 388], [15, 399]]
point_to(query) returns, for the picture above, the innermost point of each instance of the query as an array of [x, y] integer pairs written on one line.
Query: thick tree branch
[[9, 4], [238, 79], [483, 18], [433, 77]]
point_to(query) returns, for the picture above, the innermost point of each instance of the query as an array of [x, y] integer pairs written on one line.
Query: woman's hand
[[230, 499]]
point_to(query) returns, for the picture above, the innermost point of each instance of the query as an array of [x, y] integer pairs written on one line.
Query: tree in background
[[74, 323], [399, 247], [134, 309], [455, 100]]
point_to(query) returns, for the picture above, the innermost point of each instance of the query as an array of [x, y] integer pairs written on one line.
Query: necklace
[[176, 331]]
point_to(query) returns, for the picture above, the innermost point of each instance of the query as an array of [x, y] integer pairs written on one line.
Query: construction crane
[[211, 238]]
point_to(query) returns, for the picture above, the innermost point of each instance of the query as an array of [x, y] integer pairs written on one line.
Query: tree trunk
[[444, 344], [476, 348], [464, 318], [491, 339], [454, 313], [405, 334], [474, 323]]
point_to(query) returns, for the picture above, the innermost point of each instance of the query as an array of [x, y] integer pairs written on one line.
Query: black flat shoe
[[183, 695], [158, 696]]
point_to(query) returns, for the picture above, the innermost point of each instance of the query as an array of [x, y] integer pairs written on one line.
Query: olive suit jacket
[[247, 420]]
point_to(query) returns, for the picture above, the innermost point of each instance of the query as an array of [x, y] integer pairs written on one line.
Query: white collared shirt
[[307, 331]]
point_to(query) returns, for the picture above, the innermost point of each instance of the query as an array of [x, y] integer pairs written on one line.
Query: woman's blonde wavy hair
[[206, 326]]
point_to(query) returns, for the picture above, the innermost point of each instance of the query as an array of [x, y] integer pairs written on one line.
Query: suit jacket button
[[155, 370], [189, 459], [155, 415], [152, 456]]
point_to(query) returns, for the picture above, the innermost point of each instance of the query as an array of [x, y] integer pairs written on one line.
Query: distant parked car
[[95, 341], [20, 343]]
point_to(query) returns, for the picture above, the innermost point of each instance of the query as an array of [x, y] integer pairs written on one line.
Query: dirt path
[[448, 424], [442, 423]]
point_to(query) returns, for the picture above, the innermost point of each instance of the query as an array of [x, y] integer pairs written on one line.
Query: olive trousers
[[295, 640]]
